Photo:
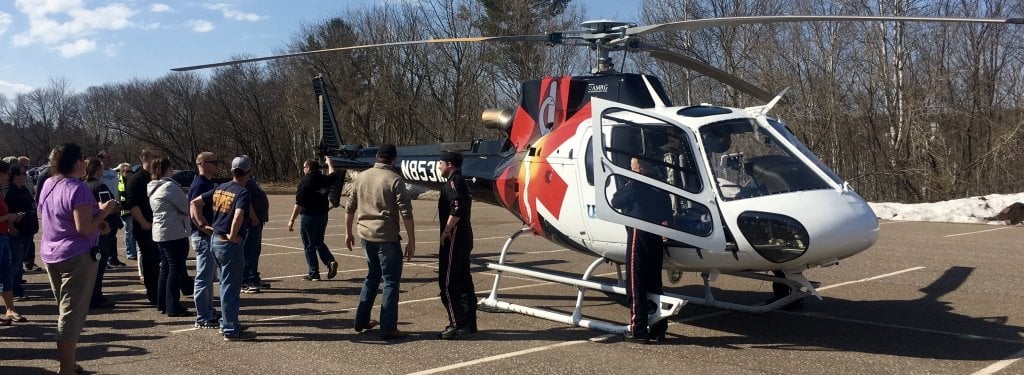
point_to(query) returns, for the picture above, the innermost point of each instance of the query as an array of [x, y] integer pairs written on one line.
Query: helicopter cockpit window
[[667, 155], [782, 129], [748, 161]]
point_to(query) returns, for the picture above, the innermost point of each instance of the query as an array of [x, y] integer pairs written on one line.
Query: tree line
[[904, 111]]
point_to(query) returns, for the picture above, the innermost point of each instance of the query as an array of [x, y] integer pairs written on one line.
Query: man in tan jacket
[[377, 200]]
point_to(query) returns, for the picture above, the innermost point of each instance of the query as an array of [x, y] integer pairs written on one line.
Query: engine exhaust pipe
[[497, 119]]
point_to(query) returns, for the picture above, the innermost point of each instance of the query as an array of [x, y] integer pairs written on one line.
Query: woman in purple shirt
[[71, 223]]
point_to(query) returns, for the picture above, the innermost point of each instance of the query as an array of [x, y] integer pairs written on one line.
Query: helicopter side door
[[678, 200]]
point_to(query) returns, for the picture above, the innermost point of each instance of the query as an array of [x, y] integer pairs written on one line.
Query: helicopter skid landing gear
[[799, 287], [667, 306]]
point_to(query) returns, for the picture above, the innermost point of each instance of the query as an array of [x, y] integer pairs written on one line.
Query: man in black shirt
[[454, 278], [644, 251], [137, 202], [312, 203], [259, 213]]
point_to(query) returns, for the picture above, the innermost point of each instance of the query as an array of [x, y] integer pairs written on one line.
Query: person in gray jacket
[[171, 227]]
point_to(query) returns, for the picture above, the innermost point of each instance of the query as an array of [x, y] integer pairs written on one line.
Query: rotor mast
[[604, 37]]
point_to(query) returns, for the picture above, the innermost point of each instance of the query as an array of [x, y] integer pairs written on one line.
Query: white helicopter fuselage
[[835, 222]]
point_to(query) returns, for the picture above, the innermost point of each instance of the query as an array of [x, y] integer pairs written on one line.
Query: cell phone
[[104, 196]]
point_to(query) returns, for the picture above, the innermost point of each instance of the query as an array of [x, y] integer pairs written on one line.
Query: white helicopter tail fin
[[762, 110]]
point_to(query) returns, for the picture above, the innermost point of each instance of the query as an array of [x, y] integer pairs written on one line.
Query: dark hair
[[156, 168], [64, 157], [453, 158], [17, 170], [92, 165], [6, 168], [386, 153], [313, 164], [102, 154]]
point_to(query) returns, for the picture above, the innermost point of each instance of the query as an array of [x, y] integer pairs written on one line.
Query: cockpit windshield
[[748, 161]]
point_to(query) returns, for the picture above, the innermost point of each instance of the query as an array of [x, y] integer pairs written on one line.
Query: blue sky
[[91, 42]]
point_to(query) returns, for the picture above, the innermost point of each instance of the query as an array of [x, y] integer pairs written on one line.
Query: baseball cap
[[387, 152], [241, 164]]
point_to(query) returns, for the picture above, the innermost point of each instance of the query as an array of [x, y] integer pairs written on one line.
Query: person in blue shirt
[[230, 203]]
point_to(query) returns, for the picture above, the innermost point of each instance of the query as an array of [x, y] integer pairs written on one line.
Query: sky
[[92, 42]]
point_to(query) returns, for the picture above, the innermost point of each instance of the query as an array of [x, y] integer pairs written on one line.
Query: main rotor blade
[[707, 70], [691, 25], [514, 38]]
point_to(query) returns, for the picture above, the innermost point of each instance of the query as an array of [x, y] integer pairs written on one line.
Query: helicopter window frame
[[676, 166], [748, 159]]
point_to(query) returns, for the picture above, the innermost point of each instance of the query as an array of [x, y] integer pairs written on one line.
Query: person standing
[[377, 201], [7, 272], [259, 214], [111, 178], [71, 222], [454, 279], [206, 315], [124, 173], [107, 241], [311, 202], [18, 198], [230, 203], [644, 252], [171, 229], [137, 202]]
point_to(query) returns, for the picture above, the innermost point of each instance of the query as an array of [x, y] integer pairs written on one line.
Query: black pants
[[456, 283], [644, 252], [150, 261], [172, 268], [108, 246]]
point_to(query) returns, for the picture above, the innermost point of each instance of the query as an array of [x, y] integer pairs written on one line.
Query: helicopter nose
[[847, 227]]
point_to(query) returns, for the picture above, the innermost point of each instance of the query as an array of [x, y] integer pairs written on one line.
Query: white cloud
[[159, 8], [234, 14], [200, 26], [76, 48], [11, 89], [5, 21], [113, 49], [65, 25]]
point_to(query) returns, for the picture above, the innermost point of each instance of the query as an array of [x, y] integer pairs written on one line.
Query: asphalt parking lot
[[927, 298]]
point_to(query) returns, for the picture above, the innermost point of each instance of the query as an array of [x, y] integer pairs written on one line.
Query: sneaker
[[241, 328], [31, 267], [116, 263], [240, 336], [264, 285], [452, 333], [310, 278], [132, 257], [332, 270], [207, 324], [251, 289]]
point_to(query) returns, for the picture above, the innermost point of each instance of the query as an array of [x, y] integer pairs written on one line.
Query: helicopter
[[748, 198]]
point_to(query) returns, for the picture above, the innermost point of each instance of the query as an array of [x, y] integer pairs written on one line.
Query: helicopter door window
[[655, 209], [747, 161]]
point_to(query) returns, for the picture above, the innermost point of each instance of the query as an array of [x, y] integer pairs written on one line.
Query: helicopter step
[[667, 305]]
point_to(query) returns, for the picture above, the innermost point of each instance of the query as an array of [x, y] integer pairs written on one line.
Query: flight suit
[[644, 254], [454, 278]]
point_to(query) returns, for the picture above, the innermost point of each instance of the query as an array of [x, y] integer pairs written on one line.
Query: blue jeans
[[172, 271], [205, 264], [383, 260], [6, 271], [312, 232], [20, 248], [229, 256], [129, 238], [253, 245]]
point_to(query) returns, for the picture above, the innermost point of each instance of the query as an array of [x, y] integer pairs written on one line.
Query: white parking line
[[980, 231], [870, 278], [999, 366]]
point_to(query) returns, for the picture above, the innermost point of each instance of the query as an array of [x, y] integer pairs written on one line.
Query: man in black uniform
[[454, 279], [644, 251]]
